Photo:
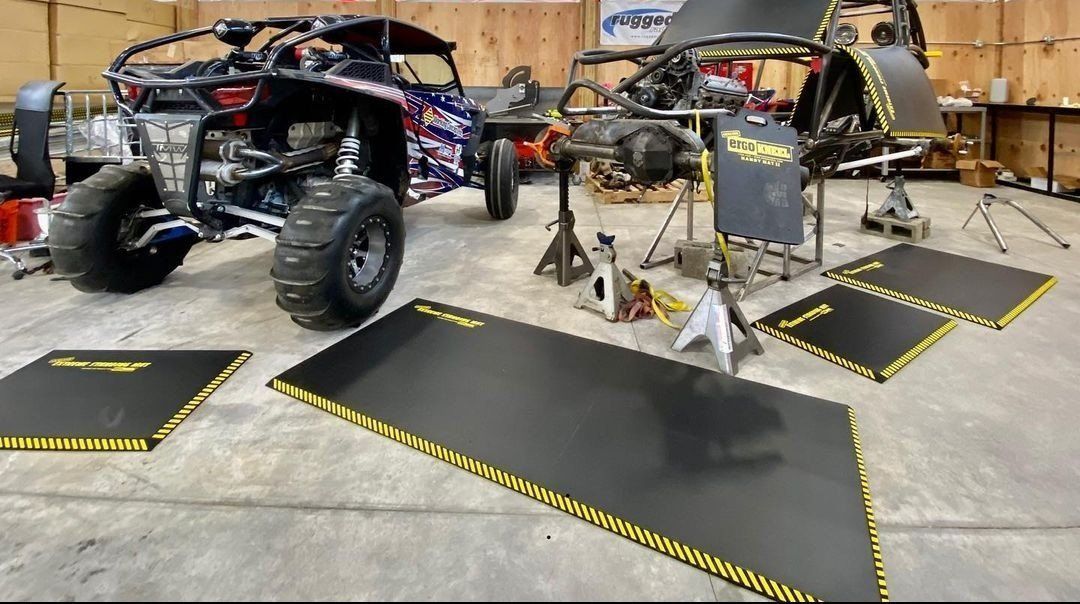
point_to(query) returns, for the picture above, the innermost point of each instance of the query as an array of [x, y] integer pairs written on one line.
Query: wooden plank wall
[[491, 37], [1047, 73]]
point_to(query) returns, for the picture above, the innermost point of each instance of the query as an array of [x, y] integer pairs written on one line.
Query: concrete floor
[[972, 449]]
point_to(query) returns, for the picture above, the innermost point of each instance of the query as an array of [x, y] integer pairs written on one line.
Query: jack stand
[[685, 194], [984, 206], [898, 201], [716, 318], [607, 289], [565, 246]]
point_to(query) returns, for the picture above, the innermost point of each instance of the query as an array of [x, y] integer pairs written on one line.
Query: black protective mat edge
[[53, 443], [994, 323], [701, 560], [879, 377]]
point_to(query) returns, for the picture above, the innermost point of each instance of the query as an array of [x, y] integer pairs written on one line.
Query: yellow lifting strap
[[663, 303], [706, 176]]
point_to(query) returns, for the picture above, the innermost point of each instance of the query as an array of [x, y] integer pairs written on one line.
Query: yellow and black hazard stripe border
[[1021, 307], [820, 352], [871, 522], [822, 29], [873, 83], [198, 399], [697, 558], [53, 443], [787, 50], [918, 349], [878, 90], [995, 324], [769, 51]]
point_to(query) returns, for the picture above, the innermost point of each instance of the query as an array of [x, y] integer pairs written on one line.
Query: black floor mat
[[760, 486], [108, 400], [870, 335], [981, 292]]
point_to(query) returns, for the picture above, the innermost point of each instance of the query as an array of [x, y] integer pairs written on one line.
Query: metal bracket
[[685, 194]]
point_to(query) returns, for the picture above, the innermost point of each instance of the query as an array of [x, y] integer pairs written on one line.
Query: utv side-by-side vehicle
[[315, 139]]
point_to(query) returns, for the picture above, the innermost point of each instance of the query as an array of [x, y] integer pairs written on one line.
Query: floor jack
[[988, 200], [607, 289], [565, 246], [716, 318]]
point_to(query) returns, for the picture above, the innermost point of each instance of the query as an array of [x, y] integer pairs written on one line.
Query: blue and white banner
[[635, 22]]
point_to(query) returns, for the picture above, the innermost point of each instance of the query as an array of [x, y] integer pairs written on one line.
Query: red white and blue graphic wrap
[[438, 128]]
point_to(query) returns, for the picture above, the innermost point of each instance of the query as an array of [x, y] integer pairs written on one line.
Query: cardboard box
[[202, 49], [14, 75], [76, 20], [115, 6], [134, 31], [25, 15], [979, 172], [72, 49], [170, 53], [149, 11], [939, 160], [33, 46], [80, 77]]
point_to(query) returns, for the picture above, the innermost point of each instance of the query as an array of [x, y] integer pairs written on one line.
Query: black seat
[[33, 112]]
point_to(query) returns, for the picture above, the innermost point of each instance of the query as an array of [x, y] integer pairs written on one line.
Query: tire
[[317, 280], [86, 229], [501, 180]]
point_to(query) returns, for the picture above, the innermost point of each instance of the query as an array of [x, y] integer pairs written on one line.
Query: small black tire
[[85, 231], [501, 179], [339, 254]]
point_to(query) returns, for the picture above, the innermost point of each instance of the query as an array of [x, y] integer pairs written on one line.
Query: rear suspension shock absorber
[[348, 157]]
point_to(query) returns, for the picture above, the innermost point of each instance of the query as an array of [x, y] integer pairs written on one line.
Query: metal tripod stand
[[565, 246], [983, 205]]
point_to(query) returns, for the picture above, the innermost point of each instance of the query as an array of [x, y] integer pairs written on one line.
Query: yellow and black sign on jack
[[744, 481], [861, 332], [986, 293], [108, 400]]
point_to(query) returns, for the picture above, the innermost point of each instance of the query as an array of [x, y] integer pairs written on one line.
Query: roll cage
[[741, 45], [388, 36]]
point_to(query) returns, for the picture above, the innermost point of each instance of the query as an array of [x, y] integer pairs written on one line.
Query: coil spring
[[348, 158]]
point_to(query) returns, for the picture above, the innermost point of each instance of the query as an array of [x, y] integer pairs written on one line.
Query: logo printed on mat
[[866, 267], [445, 316], [815, 313], [113, 366]]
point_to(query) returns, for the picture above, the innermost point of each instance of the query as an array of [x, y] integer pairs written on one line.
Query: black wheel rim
[[368, 254]]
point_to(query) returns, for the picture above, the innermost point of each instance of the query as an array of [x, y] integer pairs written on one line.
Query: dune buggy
[[315, 139]]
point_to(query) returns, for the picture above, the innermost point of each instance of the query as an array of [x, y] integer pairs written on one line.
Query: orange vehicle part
[[542, 146]]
